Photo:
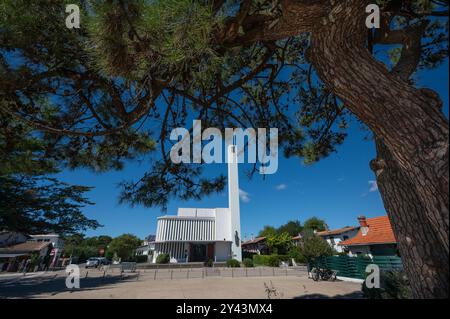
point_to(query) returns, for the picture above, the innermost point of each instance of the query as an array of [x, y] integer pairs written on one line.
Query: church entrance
[[201, 252], [197, 252]]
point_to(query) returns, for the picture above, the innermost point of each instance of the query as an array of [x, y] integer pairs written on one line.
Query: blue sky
[[337, 189]]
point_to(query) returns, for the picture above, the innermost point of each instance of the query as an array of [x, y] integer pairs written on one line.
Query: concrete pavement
[[132, 286]]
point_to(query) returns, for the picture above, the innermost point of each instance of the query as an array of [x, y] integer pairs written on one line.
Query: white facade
[[334, 239], [58, 243], [200, 234]]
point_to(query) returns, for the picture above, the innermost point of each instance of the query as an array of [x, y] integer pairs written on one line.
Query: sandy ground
[[197, 286]]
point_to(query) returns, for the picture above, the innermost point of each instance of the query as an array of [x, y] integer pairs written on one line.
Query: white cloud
[[244, 196], [281, 187], [373, 186]]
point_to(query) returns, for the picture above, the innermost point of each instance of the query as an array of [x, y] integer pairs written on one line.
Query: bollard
[[171, 274], [85, 276], [187, 274]]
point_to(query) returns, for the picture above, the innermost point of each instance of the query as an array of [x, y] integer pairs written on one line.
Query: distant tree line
[[81, 248], [309, 246], [294, 227]]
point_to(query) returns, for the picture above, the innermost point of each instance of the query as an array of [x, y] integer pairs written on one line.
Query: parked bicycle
[[318, 273]]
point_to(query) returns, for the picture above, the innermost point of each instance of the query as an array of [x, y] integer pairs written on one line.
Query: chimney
[[364, 226]]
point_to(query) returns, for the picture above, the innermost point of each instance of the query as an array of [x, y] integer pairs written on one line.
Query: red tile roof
[[335, 231], [380, 232], [254, 241]]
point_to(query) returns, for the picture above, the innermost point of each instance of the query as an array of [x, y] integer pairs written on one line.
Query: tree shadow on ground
[[352, 295], [53, 285]]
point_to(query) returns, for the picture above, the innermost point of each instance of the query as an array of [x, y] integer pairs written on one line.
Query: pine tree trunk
[[425, 262], [412, 127]]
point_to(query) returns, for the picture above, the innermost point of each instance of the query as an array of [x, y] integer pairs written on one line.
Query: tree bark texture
[[413, 131], [424, 261]]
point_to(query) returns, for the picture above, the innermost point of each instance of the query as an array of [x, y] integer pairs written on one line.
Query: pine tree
[[95, 94]]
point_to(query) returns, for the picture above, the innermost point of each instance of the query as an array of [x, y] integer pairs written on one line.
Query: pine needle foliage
[[136, 39]]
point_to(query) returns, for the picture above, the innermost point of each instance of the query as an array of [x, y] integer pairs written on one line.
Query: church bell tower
[[233, 202]]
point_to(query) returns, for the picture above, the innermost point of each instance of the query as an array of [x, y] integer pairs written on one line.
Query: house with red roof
[[375, 237], [336, 236], [256, 246]]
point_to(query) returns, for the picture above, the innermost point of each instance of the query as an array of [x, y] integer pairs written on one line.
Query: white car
[[97, 262], [92, 262]]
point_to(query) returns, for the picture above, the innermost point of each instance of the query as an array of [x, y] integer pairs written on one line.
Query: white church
[[200, 234]]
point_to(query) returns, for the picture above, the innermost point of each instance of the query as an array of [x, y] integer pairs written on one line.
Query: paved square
[[182, 285]]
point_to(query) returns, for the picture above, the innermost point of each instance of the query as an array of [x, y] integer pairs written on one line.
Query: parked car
[[95, 262]]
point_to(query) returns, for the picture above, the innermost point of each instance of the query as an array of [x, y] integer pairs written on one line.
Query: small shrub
[[163, 259], [209, 263], [261, 260], [247, 262], [294, 253], [274, 261], [393, 285], [269, 260], [233, 263]]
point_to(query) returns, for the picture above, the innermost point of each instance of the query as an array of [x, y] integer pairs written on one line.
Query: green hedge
[[163, 259], [270, 260], [233, 263], [247, 262]]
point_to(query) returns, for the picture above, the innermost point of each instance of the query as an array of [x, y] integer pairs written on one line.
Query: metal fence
[[206, 272], [355, 267]]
